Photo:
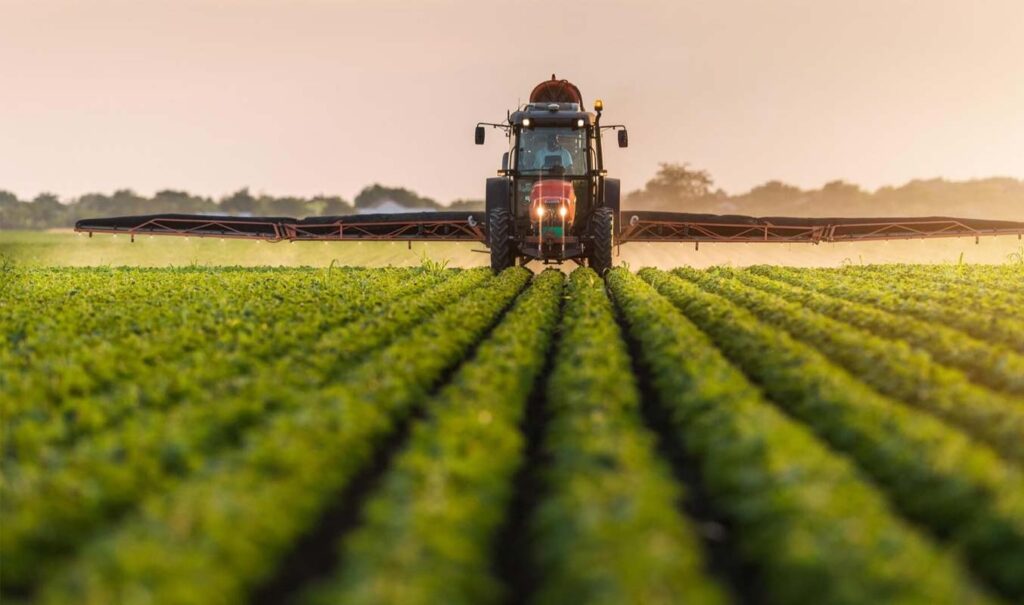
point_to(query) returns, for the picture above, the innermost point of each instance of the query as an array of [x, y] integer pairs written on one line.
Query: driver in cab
[[551, 154]]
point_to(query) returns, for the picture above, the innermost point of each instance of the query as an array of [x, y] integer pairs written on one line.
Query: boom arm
[[646, 226], [637, 226], [411, 226]]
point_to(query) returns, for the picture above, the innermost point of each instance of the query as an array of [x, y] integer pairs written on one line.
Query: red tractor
[[551, 200]]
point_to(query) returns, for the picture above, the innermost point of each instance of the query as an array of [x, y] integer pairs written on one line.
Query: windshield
[[552, 151]]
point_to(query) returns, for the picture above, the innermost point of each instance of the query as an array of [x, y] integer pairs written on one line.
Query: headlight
[[562, 211], [526, 122], [540, 211], [579, 123]]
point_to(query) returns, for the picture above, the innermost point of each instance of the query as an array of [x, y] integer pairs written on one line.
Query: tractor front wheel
[[499, 237], [602, 226]]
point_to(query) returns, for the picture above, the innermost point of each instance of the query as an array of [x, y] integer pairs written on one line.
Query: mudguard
[[499, 193]]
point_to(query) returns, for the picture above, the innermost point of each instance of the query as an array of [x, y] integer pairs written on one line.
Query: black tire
[[602, 226], [499, 236]]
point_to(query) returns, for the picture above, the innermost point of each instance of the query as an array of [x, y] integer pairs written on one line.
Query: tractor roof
[[551, 114]]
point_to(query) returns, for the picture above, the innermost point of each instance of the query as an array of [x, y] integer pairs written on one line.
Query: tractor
[[552, 201]]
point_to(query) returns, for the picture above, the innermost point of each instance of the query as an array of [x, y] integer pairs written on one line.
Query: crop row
[[608, 527], [427, 534], [994, 366], [56, 501], [69, 328], [1006, 278], [223, 531], [805, 519], [975, 319], [936, 475], [890, 366], [934, 287], [159, 368]]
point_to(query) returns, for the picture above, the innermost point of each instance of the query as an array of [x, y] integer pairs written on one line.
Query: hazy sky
[[309, 96]]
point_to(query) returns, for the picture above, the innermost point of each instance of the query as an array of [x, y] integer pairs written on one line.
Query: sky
[[302, 97]]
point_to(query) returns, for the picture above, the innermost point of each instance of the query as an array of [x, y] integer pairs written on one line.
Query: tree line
[[47, 211], [680, 188], [675, 187]]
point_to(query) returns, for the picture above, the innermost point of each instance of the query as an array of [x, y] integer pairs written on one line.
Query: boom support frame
[[640, 226]]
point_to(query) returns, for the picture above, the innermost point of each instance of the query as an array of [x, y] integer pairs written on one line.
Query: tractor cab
[[551, 200], [552, 155]]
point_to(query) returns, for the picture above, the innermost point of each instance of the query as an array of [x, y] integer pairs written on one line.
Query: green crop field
[[421, 435]]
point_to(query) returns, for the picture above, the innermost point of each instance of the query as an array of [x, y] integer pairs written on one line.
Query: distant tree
[[773, 197], [774, 191], [282, 206], [46, 199], [126, 201], [377, 194], [675, 186], [466, 205], [13, 212], [122, 202], [841, 198], [322, 205], [841, 189], [47, 211], [239, 203], [169, 200]]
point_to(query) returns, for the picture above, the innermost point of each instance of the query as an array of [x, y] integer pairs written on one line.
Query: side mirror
[[623, 138], [479, 135], [504, 161]]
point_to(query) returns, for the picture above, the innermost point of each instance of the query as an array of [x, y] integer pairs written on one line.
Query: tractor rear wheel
[[602, 225], [499, 237]]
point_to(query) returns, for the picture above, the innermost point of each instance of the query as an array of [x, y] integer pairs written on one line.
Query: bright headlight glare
[[579, 122], [562, 211], [526, 122], [540, 211]]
